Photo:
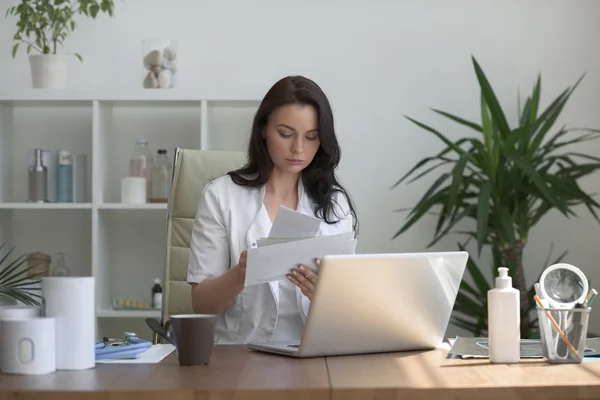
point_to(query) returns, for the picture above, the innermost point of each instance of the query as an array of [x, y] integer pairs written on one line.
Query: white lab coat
[[227, 222]]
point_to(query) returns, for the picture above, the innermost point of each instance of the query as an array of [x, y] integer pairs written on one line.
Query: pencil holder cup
[[563, 333]]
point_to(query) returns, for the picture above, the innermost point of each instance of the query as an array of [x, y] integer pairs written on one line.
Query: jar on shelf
[[140, 163], [60, 269], [38, 264], [160, 63], [160, 178]]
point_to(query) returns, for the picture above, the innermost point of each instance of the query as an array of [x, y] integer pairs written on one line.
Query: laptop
[[375, 303]]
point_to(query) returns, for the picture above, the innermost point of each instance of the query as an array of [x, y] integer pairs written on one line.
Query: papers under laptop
[[292, 241]]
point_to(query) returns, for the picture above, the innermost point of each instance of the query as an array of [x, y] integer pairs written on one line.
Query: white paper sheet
[[273, 263], [269, 242], [293, 224], [153, 355]]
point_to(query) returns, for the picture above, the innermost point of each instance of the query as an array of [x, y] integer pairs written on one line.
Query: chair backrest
[[192, 169]]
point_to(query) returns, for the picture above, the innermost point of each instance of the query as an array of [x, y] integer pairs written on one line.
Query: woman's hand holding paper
[[241, 266], [305, 278]]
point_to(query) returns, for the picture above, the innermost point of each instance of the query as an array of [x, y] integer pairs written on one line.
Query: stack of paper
[[292, 241]]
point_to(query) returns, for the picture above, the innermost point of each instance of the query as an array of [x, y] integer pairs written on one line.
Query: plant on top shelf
[[17, 282], [505, 179], [42, 26]]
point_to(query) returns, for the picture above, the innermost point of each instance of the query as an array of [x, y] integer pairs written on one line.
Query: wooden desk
[[237, 373], [429, 375], [234, 372]]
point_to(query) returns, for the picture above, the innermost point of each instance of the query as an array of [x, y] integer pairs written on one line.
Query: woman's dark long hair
[[318, 177]]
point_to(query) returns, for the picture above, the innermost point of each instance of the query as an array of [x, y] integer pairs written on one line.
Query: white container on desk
[[504, 321], [71, 301]]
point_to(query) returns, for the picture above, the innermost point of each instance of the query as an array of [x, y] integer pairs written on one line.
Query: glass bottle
[[140, 163], [38, 179], [160, 178], [157, 294], [60, 269]]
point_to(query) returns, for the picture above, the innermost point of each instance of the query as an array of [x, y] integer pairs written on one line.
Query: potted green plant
[[42, 26], [17, 282], [502, 180]]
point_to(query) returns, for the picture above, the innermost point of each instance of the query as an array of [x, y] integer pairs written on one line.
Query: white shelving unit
[[121, 245]]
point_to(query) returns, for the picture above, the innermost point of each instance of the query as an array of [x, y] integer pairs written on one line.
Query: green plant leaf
[[486, 124], [460, 120], [424, 205], [535, 101], [451, 224], [468, 304], [16, 281], [537, 181], [475, 273], [491, 100], [483, 212], [448, 143], [461, 322], [550, 115], [457, 175]]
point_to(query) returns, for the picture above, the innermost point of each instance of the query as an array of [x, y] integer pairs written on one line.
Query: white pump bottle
[[504, 319]]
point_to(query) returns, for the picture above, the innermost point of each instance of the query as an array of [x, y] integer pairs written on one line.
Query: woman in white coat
[[292, 157]]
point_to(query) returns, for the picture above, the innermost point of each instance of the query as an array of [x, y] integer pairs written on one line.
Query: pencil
[[560, 332], [591, 297], [587, 298]]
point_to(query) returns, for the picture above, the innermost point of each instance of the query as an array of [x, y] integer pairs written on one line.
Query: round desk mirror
[[564, 285]]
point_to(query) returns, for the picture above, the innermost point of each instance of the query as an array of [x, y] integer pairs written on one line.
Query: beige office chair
[[192, 169]]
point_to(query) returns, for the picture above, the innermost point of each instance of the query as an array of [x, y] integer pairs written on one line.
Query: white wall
[[377, 63]]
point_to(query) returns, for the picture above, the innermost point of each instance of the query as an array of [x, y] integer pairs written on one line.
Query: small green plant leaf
[[17, 283]]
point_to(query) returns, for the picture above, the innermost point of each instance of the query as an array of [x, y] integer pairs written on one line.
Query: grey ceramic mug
[[193, 336]]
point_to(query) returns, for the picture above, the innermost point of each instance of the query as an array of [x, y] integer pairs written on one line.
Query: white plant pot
[[49, 71]]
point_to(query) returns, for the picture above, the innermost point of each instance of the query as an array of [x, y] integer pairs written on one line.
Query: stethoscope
[[130, 347]]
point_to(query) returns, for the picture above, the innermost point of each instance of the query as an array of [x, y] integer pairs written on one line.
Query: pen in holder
[[563, 333]]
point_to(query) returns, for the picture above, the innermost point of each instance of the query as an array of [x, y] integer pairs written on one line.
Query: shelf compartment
[[62, 231], [130, 253], [55, 128], [119, 125]]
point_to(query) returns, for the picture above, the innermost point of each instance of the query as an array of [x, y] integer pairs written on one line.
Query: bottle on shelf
[[157, 295], [38, 179], [60, 269], [50, 161], [140, 163], [160, 178], [504, 320], [64, 180]]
